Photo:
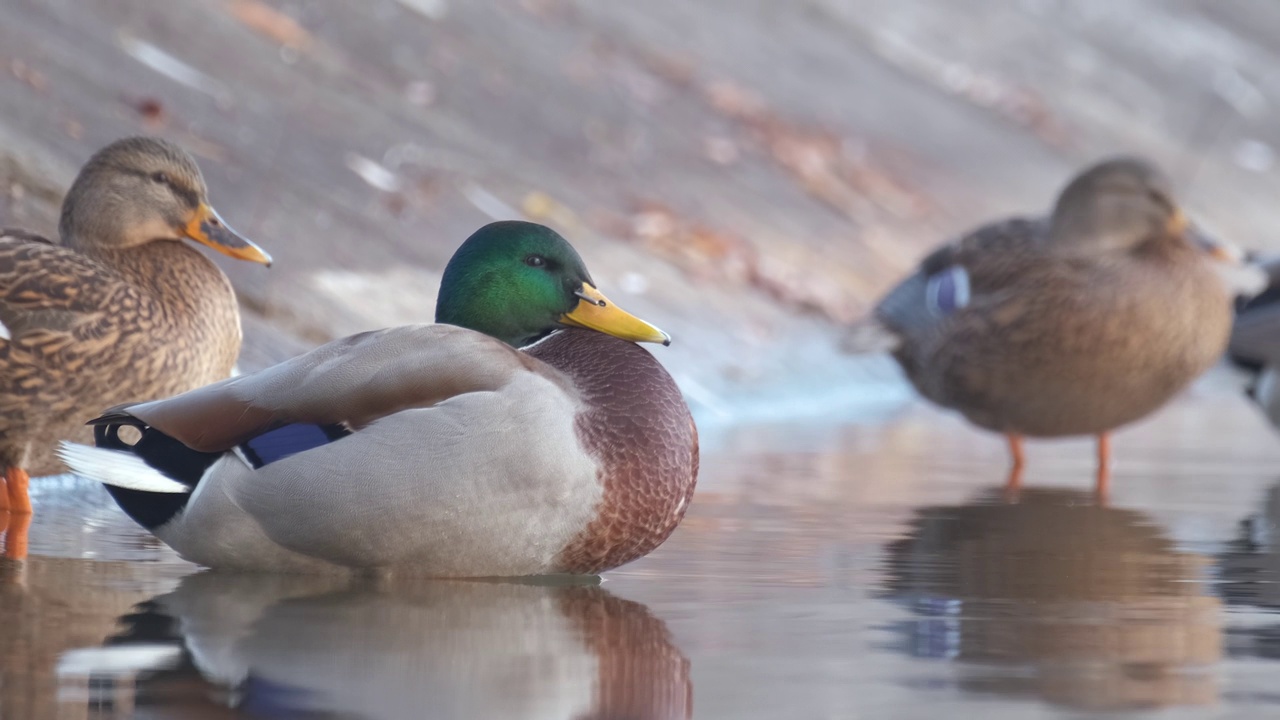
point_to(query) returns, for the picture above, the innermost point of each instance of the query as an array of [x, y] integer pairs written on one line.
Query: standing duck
[[120, 308], [1071, 324], [524, 434]]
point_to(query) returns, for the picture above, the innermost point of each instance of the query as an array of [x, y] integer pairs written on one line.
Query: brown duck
[[119, 309], [1071, 324]]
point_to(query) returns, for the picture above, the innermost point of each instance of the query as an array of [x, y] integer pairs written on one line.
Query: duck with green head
[[525, 433]]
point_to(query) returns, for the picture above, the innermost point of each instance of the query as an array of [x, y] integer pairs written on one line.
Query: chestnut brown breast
[[636, 425]]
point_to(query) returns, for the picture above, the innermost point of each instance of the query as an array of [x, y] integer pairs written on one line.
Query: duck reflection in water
[[1058, 597], [297, 647], [1249, 577]]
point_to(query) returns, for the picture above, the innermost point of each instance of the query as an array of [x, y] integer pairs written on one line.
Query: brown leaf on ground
[[836, 170], [272, 23], [26, 74], [694, 247], [708, 254], [541, 207], [151, 110]]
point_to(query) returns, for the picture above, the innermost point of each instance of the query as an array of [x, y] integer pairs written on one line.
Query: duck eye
[[535, 261], [160, 177]]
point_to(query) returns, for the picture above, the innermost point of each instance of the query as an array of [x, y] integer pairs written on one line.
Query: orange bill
[[208, 228]]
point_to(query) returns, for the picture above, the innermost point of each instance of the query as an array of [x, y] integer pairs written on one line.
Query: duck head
[[1117, 205], [519, 281], [140, 190]]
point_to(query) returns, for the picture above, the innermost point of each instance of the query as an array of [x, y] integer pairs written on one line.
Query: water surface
[[852, 569]]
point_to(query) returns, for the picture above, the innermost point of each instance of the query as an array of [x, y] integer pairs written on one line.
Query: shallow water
[[848, 569]]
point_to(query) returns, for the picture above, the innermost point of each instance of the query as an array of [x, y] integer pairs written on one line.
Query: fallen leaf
[[272, 23], [151, 110], [23, 72]]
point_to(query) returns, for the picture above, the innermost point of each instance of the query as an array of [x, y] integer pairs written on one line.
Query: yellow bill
[[596, 312], [208, 228]]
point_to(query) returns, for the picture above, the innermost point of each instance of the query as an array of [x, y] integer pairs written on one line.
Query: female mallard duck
[[526, 434], [120, 309], [1074, 324]]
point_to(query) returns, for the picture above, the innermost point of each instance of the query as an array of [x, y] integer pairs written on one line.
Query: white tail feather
[[119, 660], [118, 468]]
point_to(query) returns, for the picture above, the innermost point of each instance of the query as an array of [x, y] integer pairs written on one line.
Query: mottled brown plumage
[[1072, 324], [119, 308]]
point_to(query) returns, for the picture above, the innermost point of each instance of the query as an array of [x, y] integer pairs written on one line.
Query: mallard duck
[[1255, 340], [118, 309], [1071, 324], [525, 433]]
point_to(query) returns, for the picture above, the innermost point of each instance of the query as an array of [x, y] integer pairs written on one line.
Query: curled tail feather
[[118, 469]]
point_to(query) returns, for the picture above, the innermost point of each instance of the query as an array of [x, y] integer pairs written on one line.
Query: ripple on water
[[824, 570], [76, 518]]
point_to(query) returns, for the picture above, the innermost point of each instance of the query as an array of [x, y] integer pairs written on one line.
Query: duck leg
[[1102, 484], [16, 500], [1013, 485], [17, 503], [15, 526]]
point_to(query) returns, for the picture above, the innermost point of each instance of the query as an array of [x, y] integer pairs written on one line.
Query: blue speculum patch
[[948, 290], [289, 440]]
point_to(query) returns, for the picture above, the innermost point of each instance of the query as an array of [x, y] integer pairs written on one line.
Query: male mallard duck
[[120, 309], [525, 434], [1072, 324]]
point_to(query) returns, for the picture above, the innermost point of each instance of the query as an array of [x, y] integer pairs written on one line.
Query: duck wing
[[453, 452], [51, 296], [350, 382], [58, 309], [978, 266]]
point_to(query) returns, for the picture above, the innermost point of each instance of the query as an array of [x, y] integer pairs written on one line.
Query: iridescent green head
[[518, 281]]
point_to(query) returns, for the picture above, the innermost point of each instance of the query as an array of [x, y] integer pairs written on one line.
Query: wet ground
[[865, 568]]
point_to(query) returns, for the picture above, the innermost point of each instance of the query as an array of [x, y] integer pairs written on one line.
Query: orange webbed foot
[[15, 526], [16, 482]]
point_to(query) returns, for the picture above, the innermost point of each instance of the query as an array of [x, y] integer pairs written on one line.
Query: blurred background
[[745, 174], [748, 175]]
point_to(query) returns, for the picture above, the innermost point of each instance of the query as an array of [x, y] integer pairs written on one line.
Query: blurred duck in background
[[1075, 323], [1255, 339], [118, 308]]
